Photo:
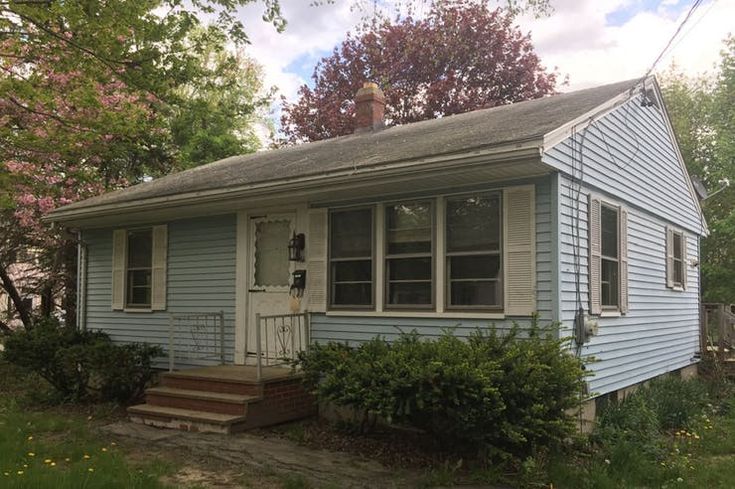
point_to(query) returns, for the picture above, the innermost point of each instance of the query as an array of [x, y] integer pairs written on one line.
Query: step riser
[[211, 406], [223, 387]]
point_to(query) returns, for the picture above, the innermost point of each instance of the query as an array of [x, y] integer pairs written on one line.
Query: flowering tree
[[462, 56], [90, 95]]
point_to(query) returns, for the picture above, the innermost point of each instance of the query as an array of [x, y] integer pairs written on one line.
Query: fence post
[[258, 367], [171, 343], [722, 326]]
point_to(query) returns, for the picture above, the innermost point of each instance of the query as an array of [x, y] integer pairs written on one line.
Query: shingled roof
[[522, 121]]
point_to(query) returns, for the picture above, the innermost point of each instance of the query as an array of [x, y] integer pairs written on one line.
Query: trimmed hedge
[[499, 394]]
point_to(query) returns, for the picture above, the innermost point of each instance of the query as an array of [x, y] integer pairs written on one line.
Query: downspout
[[81, 283]]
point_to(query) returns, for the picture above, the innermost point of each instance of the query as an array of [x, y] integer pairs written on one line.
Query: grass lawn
[[46, 445]]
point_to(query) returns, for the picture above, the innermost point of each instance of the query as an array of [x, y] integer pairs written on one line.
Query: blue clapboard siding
[[201, 278], [660, 332], [358, 328], [629, 153]]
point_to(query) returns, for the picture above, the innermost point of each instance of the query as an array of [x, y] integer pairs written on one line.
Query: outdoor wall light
[[296, 247]]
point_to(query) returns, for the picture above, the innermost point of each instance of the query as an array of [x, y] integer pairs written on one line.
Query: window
[[408, 255], [473, 254], [139, 268], [351, 258], [678, 260], [610, 257]]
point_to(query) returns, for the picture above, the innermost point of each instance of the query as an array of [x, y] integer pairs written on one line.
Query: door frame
[[243, 266]]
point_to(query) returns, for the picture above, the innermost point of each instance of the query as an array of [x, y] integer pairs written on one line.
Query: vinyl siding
[[201, 278], [629, 153], [660, 331], [355, 329]]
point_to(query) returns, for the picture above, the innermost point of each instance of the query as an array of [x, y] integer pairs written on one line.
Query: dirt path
[[321, 468]]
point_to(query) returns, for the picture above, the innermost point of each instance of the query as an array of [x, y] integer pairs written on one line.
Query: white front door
[[270, 272]]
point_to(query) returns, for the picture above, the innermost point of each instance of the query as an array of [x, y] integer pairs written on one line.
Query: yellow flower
[[90, 469], [47, 461], [696, 437], [53, 464], [20, 472], [67, 460], [104, 449], [6, 474], [86, 457], [113, 444], [25, 466], [31, 454], [30, 438]]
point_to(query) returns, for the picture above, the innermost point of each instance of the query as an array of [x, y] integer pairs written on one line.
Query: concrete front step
[[185, 419], [198, 400]]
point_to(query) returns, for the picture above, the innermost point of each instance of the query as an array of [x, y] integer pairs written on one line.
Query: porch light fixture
[[296, 247]]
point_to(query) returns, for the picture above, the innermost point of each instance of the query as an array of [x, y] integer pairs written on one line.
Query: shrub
[[502, 394], [83, 365], [677, 403]]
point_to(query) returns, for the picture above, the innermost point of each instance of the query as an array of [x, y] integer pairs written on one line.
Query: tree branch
[[9, 286]]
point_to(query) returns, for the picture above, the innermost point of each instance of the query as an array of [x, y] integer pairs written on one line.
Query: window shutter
[[669, 257], [594, 255], [519, 245], [158, 280], [684, 261], [119, 254], [623, 247], [316, 253]]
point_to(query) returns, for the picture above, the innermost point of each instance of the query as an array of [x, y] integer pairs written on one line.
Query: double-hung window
[[473, 252], [351, 258], [610, 257], [139, 268], [408, 255], [676, 263]]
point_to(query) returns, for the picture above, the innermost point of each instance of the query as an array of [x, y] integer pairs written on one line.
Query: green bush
[[678, 403], [83, 365], [501, 394]]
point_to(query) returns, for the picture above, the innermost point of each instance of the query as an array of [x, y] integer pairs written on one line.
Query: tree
[[461, 57], [703, 115], [91, 94]]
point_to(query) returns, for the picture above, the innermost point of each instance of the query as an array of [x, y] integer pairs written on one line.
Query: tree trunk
[[9, 286]]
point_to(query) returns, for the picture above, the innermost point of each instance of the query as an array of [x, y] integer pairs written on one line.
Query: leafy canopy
[[703, 115], [462, 56]]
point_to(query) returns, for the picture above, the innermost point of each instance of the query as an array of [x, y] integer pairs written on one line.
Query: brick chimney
[[369, 108]]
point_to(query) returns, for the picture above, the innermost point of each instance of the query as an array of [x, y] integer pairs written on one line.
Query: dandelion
[[30, 438], [90, 469], [25, 466], [67, 460], [104, 449], [86, 457], [31, 454], [53, 464], [20, 472], [6, 474], [47, 461]]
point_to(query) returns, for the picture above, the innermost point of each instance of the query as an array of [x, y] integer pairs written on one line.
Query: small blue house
[[576, 207]]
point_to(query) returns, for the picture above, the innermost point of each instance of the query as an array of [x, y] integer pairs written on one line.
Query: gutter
[[517, 150]]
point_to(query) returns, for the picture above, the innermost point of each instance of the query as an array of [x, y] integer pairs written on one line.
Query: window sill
[[610, 314], [137, 309], [419, 314]]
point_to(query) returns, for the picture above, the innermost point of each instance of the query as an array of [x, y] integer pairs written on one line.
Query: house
[[575, 207]]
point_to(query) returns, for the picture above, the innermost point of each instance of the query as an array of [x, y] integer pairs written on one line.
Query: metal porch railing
[[279, 339], [197, 338]]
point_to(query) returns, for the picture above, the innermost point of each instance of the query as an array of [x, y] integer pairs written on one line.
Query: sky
[[592, 42]]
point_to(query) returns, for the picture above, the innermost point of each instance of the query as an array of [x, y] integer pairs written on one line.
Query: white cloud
[[576, 38]]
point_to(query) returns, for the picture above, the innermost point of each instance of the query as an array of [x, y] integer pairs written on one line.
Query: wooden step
[[214, 402], [185, 419]]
